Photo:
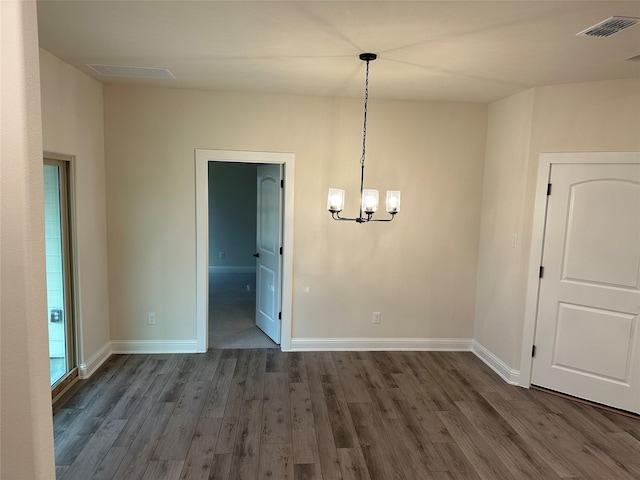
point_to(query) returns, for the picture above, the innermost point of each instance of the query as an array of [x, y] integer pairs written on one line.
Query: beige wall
[[73, 124], [26, 430], [419, 271], [598, 116], [499, 300]]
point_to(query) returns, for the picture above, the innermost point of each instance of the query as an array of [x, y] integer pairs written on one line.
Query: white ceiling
[[447, 50]]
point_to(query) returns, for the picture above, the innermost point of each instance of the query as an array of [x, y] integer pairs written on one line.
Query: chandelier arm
[[383, 219], [361, 219], [336, 216]]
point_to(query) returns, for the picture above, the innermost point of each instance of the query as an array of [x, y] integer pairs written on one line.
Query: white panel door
[[587, 334], [268, 242]]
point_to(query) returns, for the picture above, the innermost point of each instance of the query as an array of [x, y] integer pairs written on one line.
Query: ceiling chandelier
[[368, 197]]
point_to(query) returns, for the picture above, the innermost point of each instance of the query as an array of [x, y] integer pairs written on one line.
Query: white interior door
[[268, 243], [587, 339]]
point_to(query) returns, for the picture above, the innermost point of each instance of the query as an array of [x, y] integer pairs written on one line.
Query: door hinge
[[533, 351], [548, 189], [282, 183], [541, 271], [280, 250], [279, 315]]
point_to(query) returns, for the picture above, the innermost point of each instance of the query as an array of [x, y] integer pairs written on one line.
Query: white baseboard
[[497, 365], [215, 270], [85, 370], [511, 376], [372, 344], [153, 346]]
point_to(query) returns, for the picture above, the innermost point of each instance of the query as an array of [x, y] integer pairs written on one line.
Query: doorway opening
[[233, 255], [272, 292], [59, 272]]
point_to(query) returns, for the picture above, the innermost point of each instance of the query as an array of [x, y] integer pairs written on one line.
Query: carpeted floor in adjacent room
[[232, 312]]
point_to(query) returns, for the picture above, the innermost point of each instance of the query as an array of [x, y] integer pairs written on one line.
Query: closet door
[[587, 334]]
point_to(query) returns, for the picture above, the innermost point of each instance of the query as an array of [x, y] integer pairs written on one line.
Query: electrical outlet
[[151, 318], [222, 255], [376, 317]]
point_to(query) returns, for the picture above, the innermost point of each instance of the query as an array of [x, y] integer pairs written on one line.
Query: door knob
[[257, 254]]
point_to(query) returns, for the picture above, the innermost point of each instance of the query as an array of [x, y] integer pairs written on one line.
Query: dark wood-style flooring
[[265, 414]]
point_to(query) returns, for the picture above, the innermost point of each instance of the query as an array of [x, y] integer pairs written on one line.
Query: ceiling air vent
[[609, 26], [139, 72]]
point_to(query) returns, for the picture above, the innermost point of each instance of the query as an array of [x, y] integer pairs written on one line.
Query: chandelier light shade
[[369, 201], [369, 198], [335, 203], [393, 201]]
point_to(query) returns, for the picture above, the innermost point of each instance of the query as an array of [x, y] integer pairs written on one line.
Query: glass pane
[[55, 273]]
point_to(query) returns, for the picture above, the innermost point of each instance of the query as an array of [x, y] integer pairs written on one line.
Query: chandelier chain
[[364, 128]]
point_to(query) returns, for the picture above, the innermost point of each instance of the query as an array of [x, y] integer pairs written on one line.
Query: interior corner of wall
[[508, 374], [88, 368]]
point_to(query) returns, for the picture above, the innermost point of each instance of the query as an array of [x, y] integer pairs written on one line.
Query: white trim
[[66, 389], [202, 159], [215, 270], [154, 346], [511, 376], [85, 370], [507, 373], [537, 239], [372, 344]]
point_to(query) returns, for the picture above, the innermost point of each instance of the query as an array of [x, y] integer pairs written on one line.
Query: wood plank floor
[[265, 414]]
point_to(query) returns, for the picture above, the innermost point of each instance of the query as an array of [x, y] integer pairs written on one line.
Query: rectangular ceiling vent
[[609, 26], [138, 72]]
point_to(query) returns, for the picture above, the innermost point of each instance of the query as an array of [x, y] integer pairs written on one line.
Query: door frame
[[545, 162], [202, 159], [75, 334]]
